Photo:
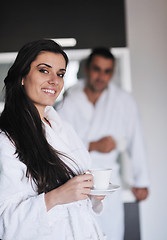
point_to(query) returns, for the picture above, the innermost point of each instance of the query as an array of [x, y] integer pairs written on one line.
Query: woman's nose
[[54, 80]]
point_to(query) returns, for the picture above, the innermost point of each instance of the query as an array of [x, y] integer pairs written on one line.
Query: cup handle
[[89, 172]]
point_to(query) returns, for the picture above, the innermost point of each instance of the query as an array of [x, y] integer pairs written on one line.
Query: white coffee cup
[[101, 178]]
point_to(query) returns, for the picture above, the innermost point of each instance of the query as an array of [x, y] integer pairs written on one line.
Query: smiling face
[[99, 73], [44, 81]]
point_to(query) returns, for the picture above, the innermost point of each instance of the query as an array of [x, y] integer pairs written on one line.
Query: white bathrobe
[[23, 214], [114, 114]]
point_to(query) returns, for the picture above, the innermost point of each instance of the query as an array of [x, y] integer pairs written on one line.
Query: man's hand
[[140, 193], [104, 145]]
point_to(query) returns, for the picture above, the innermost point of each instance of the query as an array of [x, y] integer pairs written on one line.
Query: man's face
[[99, 72]]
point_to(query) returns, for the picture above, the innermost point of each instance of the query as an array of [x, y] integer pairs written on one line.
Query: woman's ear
[[22, 82]]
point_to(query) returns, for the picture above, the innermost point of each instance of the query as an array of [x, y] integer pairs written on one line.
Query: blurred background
[[136, 32]]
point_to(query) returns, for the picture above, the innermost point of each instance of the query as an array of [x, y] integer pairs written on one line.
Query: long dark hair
[[21, 122]]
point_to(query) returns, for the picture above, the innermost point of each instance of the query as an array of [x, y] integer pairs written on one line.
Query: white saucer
[[112, 188]]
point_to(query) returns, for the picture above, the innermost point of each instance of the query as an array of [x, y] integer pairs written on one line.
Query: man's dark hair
[[100, 51]]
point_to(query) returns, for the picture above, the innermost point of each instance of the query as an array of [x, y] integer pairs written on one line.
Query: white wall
[[147, 40]]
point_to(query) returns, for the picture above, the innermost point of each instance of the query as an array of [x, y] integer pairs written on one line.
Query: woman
[[43, 191]]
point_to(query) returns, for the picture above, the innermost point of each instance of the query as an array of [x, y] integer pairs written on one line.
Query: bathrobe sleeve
[[22, 211], [136, 146]]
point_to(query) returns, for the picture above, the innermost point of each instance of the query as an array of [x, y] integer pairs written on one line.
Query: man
[[102, 114]]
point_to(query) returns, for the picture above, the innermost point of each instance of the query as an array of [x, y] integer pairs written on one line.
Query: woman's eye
[[60, 75], [43, 70]]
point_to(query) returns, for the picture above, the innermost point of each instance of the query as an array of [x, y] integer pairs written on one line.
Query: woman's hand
[[77, 188]]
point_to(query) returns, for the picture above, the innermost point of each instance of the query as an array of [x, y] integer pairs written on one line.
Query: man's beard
[[94, 89]]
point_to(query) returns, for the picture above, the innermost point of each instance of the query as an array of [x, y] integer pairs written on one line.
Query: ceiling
[[92, 23]]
